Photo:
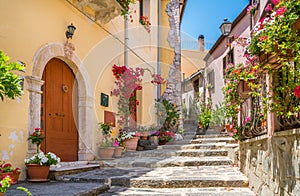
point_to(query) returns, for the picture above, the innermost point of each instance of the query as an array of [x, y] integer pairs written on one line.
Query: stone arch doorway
[[59, 113], [85, 99]]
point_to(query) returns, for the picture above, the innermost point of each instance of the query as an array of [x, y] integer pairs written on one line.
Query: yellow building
[[64, 78]]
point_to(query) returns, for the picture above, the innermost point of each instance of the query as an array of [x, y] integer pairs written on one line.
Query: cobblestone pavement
[[189, 167]]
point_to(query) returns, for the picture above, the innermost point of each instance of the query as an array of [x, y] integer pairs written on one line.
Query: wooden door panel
[[60, 110]]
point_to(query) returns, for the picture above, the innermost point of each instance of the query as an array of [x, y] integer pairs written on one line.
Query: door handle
[[59, 114]]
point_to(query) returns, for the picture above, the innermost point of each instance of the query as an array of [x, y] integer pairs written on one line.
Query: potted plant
[[129, 138], [7, 169], [218, 117], [118, 149], [39, 164], [5, 183], [106, 150], [36, 138], [205, 116], [165, 137], [154, 134]]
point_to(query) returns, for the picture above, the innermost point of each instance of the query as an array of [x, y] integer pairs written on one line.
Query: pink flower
[[280, 11], [269, 8], [275, 2], [251, 9], [297, 91]]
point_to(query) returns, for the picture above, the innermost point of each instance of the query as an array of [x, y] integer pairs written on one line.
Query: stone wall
[[272, 164], [173, 90]]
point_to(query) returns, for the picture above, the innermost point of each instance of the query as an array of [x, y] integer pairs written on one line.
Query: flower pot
[[229, 127], [37, 173], [118, 152], [131, 143], [106, 153], [1, 194], [14, 176]]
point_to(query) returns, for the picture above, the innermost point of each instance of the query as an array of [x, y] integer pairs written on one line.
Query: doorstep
[[64, 168]]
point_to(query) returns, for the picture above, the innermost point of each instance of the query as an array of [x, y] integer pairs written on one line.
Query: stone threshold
[[65, 168]]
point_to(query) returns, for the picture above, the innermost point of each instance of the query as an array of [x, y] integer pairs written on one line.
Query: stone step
[[191, 177], [189, 133], [71, 167], [58, 188], [213, 140], [168, 177], [215, 191], [169, 153], [213, 135], [174, 161]]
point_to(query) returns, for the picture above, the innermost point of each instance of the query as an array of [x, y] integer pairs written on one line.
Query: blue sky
[[205, 17]]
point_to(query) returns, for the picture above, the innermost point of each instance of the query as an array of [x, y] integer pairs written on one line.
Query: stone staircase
[[196, 165]]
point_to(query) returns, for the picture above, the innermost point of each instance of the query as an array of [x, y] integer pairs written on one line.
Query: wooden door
[[133, 111], [59, 110]]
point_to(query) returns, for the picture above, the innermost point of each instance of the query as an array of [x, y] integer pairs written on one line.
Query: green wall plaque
[[104, 100]]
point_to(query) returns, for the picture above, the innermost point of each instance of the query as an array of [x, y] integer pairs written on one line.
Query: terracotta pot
[[15, 176], [131, 144], [1, 194], [37, 173], [118, 152], [106, 153], [229, 127]]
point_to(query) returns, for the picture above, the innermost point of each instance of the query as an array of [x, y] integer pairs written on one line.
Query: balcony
[[100, 11]]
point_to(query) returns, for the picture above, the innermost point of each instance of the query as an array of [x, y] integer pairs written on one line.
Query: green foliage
[[168, 114], [218, 115], [9, 82], [25, 190], [126, 6], [107, 143], [276, 36], [106, 129], [205, 115], [5, 184]]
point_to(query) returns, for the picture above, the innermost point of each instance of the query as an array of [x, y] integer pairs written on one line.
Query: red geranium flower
[[297, 91]]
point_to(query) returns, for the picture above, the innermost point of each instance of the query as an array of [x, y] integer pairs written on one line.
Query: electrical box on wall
[[104, 99]]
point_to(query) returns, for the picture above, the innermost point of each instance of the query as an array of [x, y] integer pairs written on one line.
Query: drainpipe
[[126, 41], [158, 45]]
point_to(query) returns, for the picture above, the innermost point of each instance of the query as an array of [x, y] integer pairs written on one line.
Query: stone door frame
[[85, 98]]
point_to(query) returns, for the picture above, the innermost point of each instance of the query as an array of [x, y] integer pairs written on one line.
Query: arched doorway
[[59, 110]]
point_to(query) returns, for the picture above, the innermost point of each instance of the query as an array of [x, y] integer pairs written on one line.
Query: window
[[144, 8], [229, 58], [211, 80]]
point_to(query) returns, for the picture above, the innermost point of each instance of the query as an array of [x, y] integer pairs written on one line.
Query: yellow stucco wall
[[26, 26]]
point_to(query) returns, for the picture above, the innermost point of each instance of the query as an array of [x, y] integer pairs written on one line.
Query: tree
[[10, 86]]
